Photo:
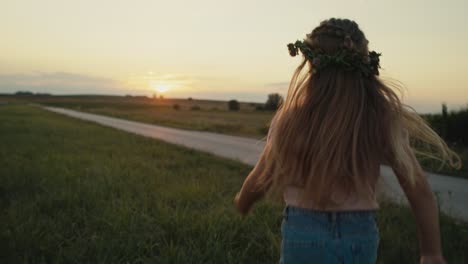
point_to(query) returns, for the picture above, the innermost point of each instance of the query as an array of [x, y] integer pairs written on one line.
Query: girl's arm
[[250, 192], [424, 207]]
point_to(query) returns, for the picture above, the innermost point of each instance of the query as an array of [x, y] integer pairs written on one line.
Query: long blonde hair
[[335, 128]]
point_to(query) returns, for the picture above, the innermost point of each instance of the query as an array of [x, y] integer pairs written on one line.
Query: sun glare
[[161, 88], [166, 83]]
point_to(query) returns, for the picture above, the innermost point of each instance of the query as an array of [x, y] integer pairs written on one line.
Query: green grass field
[[75, 192]]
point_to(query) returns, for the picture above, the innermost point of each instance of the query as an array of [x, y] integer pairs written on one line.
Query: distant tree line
[[272, 104], [451, 126], [28, 93]]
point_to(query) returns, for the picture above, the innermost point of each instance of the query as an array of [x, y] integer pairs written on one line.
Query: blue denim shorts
[[311, 236]]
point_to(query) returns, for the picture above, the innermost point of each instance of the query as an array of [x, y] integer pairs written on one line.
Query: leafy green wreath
[[366, 64]]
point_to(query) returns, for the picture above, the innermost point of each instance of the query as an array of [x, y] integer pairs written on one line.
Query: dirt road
[[452, 192]]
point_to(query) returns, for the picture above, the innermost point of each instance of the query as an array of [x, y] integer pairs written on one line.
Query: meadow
[[201, 115], [192, 114], [75, 192]]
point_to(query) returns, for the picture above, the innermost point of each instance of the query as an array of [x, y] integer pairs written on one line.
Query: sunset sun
[[161, 88]]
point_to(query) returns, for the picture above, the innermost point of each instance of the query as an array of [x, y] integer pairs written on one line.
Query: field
[[202, 115], [193, 114], [75, 192]]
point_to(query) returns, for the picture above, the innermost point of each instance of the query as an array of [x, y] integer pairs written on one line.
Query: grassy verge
[[76, 192]]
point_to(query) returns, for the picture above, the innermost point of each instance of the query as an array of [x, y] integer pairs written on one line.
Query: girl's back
[[337, 125]]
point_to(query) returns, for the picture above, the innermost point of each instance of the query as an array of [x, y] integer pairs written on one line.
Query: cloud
[[58, 82], [278, 86]]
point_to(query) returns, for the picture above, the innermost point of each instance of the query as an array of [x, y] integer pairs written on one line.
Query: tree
[[233, 105], [24, 93], [273, 102], [444, 121], [444, 110]]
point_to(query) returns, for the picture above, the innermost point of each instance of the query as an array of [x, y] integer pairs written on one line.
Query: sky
[[220, 49]]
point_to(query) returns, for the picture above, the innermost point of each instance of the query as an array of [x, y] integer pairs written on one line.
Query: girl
[[326, 143]]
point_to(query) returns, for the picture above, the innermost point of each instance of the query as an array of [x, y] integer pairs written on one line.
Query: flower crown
[[366, 64]]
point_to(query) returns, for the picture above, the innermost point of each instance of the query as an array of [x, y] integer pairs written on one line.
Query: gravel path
[[452, 192]]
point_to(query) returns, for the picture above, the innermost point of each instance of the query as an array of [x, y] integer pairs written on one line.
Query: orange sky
[[221, 49]]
